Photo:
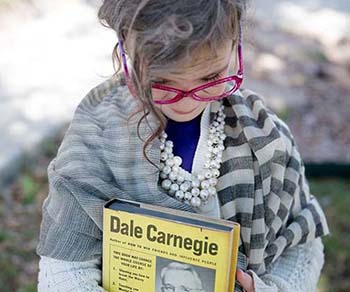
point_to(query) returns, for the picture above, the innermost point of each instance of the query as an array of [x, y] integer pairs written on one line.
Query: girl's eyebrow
[[214, 73], [209, 75]]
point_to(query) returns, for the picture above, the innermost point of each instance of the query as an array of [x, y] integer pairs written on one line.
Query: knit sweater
[[297, 269]]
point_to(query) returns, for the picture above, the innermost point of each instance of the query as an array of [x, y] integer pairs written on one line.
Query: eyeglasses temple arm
[[123, 58], [240, 60]]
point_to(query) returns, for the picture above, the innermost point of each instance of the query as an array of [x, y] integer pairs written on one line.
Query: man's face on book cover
[[181, 281]]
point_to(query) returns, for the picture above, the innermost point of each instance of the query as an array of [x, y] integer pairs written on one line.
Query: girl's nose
[[185, 103], [188, 86]]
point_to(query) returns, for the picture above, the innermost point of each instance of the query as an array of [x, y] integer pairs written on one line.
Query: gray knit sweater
[[296, 270], [262, 173]]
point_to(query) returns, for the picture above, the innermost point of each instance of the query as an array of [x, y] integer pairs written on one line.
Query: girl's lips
[[182, 112]]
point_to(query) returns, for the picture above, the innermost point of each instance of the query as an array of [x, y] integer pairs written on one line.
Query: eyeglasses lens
[[207, 93]]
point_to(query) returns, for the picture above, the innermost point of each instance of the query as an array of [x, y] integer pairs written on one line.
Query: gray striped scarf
[[262, 183]]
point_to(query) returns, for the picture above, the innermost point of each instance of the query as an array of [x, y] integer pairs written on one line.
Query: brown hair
[[165, 32]]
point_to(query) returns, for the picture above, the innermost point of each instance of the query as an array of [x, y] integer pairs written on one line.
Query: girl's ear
[[233, 64], [235, 59], [129, 43]]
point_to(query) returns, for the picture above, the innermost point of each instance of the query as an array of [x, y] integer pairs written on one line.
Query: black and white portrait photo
[[174, 276]]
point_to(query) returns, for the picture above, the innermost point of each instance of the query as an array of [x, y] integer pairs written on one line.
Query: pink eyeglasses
[[210, 91]]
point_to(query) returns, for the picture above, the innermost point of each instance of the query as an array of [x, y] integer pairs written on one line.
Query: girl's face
[[199, 71]]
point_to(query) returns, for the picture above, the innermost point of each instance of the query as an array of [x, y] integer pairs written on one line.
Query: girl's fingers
[[245, 280]]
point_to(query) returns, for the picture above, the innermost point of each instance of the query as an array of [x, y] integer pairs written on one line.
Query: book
[[150, 248]]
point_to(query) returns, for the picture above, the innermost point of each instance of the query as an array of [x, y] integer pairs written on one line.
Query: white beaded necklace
[[194, 189]]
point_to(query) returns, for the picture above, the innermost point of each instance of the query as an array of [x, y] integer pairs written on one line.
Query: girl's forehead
[[201, 62]]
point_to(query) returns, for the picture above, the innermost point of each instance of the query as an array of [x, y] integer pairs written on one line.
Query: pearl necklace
[[193, 189]]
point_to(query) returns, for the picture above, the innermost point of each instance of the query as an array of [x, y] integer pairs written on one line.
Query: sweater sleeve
[[296, 270], [62, 276]]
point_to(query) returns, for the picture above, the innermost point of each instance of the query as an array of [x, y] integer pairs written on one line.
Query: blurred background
[[296, 54]]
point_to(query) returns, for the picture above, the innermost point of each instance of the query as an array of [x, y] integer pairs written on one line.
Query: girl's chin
[[183, 117], [184, 112]]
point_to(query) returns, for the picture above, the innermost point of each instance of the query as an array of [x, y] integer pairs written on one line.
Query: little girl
[[176, 129]]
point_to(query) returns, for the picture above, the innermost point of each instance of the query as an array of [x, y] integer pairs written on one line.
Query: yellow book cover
[[149, 248]]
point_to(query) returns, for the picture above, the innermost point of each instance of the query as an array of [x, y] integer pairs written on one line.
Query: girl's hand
[[245, 280]]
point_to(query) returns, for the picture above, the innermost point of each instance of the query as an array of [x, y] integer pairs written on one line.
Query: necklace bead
[[188, 196], [163, 175], [196, 202], [172, 176], [185, 186], [208, 174], [179, 194], [177, 160], [166, 184], [167, 169], [204, 194], [194, 189], [195, 192], [205, 184], [180, 178], [174, 187]]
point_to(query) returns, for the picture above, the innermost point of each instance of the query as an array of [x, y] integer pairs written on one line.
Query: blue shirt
[[185, 136]]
